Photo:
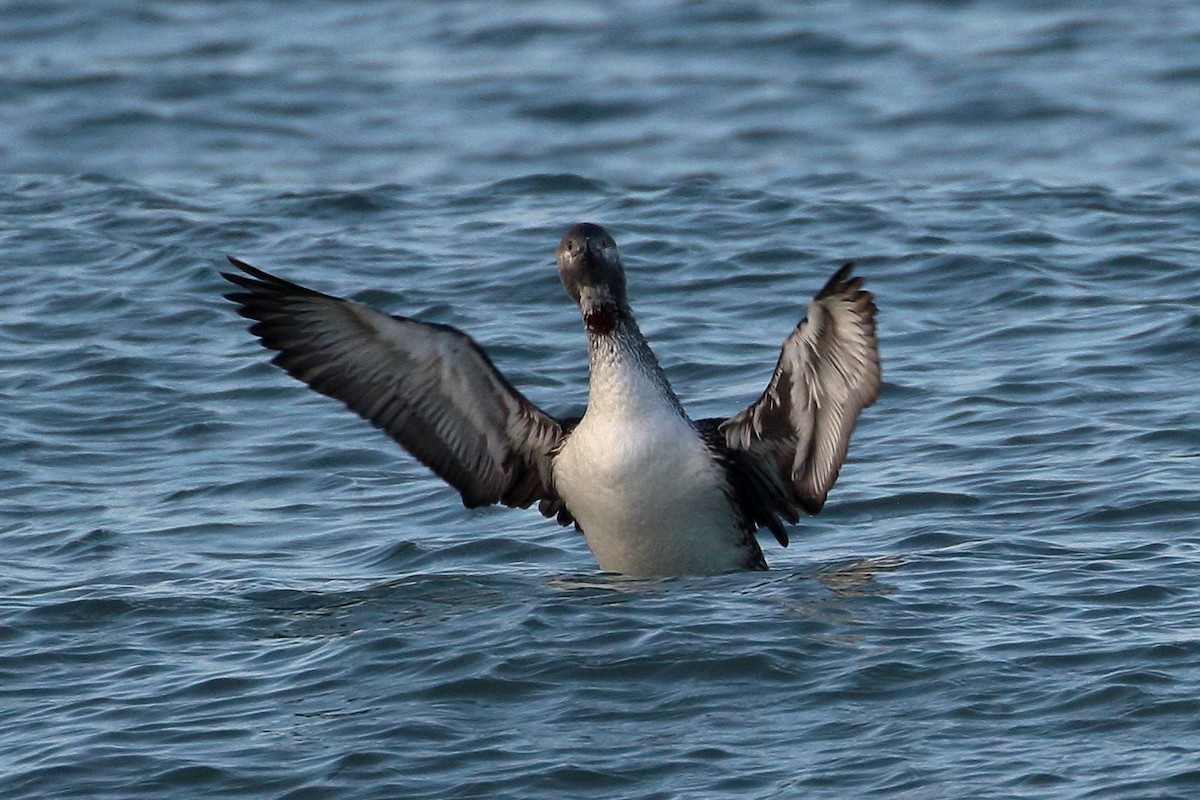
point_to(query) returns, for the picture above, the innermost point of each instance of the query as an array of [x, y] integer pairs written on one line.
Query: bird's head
[[590, 268]]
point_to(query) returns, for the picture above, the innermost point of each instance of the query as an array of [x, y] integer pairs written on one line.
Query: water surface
[[218, 583]]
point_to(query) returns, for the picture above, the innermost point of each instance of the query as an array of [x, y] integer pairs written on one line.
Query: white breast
[[642, 485]]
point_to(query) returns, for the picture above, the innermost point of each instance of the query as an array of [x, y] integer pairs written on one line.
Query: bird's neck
[[625, 376]]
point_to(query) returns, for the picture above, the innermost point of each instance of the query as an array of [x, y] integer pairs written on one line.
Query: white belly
[[648, 496]]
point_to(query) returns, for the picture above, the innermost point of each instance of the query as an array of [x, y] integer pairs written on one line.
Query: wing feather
[[428, 386], [828, 372]]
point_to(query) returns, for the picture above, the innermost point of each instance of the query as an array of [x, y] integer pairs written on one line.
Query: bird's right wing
[[429, 386]]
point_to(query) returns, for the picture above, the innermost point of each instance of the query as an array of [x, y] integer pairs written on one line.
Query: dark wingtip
[[259, 281], [776, 527], [241, 280], [838, 281], [251, 270]]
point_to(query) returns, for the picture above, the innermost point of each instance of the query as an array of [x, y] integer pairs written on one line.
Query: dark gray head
[[590, 268]]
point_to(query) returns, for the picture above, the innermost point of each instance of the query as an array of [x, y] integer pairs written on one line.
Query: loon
[[653, 492]]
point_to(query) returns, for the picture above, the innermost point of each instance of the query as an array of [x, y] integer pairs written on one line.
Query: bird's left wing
[[791, 442]]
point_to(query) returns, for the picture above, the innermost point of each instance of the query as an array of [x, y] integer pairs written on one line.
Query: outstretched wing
[[430, 387], [793, 439]]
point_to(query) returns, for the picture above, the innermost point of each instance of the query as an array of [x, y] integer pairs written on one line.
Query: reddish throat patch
[[600, 320]]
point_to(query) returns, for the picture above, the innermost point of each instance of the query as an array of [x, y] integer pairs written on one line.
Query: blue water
[[217, 583]]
